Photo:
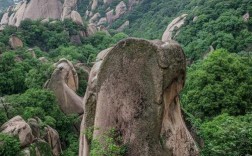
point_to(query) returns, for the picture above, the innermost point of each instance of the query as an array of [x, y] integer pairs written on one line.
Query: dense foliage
[[215, 23], [217, 99], [23, 76], [221, 83], [9, 145], [227, 135]]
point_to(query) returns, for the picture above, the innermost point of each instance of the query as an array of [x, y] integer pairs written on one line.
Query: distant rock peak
[[41, 9]]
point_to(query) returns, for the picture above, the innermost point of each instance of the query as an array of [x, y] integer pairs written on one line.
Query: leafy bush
[[112, 145], [227, 135], [221, 83], [10, 146]]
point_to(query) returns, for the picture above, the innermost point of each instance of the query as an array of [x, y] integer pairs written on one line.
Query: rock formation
[[41, 9], [134, 88], [15, 42], [174, 26], [18, 127], [64, 83], [112, 13], [52, 137], [29, 134], [120, 9]]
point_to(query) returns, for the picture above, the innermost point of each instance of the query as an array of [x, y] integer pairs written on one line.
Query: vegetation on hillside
[[23, 76], [218, 102], [219, 24]]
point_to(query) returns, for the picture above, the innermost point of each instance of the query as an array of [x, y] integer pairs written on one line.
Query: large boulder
[[134, 89], [15, 42], [52, 137], [174, 26], [64, 83], [18, 127]]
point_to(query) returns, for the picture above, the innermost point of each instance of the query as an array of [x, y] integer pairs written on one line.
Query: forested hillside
[[217, 96], [209, 23]]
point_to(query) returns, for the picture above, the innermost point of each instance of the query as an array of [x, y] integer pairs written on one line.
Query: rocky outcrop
[[18, 127], [133, 88], [41, 9], [91, 29], [52, 137], [120, 9], [69, 13], [15, 42], [173, 27], [64, 83], [75, 16], [94, 18], [31, 136]]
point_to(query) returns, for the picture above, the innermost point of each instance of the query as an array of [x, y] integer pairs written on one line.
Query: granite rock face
[[41, 9], [133, 88]]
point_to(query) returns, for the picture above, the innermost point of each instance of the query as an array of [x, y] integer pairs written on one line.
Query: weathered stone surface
[[35, 126], [90, 102], [41, 9], [120, 9], [68, 7], [102, 20], [91, 29], [75, 16], [15, 42], [52, 137], [18, 127], [5, 19], [134, 89], [175, 25], [94, 18], [64, 83]]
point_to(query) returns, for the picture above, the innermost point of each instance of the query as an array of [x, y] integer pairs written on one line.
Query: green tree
[[221, 83], [227, 135], [10, 146]]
